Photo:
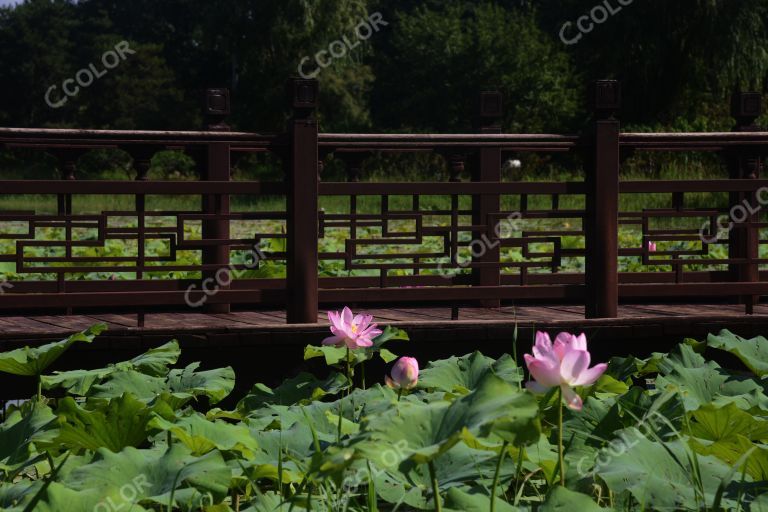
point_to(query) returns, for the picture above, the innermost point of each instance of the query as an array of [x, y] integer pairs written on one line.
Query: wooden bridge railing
[[473, 238]]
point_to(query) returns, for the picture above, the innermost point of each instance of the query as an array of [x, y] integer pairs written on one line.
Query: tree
[[37, 41], [675, 59], [439, 55]]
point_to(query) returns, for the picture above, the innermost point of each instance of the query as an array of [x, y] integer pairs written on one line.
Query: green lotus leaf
[[661, 474], [760, 504], [332, 355], [463, 374], [33, 424], [565, 500], [388, 334], [459, 500], [304, 389], [700, 382], [427, 430], [215, 384], [542, 456], [269, 502], [144, 387], [596, 431], [30, 362], [624, 368], [738, 450], [112, 424], [154, 362], [152, 477], [753, 353], [288, 449], [714, 423], [202, 436], [76, 382], [460, 467], [14, 497]]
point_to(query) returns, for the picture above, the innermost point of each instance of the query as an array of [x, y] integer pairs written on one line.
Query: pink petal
[[580, 342], [346, 316], [562, 344], [362, 321], [398, 372], [572, 399], [589, 377], [543, 342], [371, 332], [565, 338], [535, 387], [333, 340], [413, 367], [574, 363], [544, 373], [543, 350], [389, 382], [359, 342], [333, 317]]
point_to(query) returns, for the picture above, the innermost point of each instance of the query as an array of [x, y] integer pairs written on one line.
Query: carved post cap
[[490, 110], [746, 107], [302, 95], [491, 105], [605, 97], [217, 108]]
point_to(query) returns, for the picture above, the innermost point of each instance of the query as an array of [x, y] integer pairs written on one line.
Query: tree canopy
[[420, 69]]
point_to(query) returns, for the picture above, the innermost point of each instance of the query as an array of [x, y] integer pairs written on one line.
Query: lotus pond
[[675, 431]]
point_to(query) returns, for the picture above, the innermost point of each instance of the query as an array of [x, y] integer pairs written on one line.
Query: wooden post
[[302, 173], [745, 163], [217, 108], [142, 162], [68, 166], [602, 220], [485, 248]]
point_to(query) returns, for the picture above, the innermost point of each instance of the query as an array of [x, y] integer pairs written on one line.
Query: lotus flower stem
[[349, 373], [496, 475], [435, 487], [362, 375], [519, 483], [560, 436]]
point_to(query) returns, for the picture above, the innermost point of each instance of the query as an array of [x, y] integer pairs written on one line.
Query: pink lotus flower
[[405, 374], [351, 331], [564, 364], [651, 247]]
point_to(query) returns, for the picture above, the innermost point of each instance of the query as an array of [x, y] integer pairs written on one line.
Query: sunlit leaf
[[202, 436], [303, 388], [28, 361], [112, 424], [753, 353], [462, 374], [215, 384]]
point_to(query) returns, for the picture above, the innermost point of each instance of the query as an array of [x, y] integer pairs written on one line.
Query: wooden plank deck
[[543, 317]]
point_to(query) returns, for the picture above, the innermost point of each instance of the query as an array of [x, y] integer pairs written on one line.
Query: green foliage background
[[678, 61]]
